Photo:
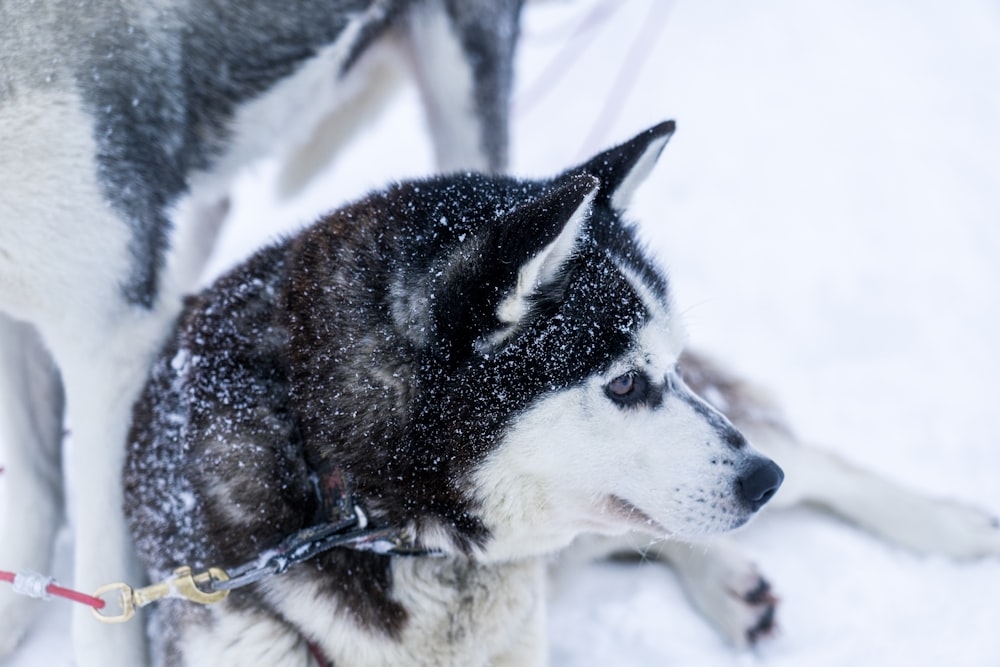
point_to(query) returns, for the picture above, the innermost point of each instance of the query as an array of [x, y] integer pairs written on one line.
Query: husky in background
[[491, 365], [116, 120]]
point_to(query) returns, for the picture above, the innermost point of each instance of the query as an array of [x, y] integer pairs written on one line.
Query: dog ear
[[621, 169], [564, 210], [487, 289]]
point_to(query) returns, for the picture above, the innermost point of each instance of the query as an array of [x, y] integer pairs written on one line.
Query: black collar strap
[[348, 528]]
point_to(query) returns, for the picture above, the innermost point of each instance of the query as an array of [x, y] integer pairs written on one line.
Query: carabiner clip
[[183, 585], [187, 584]]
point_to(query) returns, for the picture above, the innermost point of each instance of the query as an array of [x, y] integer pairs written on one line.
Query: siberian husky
[[489, 364], [116, 120], [496, 368]]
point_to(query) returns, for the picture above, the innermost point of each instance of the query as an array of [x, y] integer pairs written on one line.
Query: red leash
[[38, 586]]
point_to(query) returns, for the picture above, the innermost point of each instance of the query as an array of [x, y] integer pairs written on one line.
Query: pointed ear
[[621, 169], [482, 294], [568, 207]]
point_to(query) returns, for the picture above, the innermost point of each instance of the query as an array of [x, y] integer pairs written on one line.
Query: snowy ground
[[830, 213]]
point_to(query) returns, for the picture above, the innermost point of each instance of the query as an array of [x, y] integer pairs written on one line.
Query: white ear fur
[[542, 267], [622, 196]]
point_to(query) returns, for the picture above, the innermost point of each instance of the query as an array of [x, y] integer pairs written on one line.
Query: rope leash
[[39, 586]]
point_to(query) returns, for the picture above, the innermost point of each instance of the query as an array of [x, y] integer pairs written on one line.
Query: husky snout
[[759, 481], [760, 477]]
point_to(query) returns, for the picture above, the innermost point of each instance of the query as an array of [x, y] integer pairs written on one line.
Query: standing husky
[[490, 364], [116, 116]]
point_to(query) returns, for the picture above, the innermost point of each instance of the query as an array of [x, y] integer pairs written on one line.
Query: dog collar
[[345, 525]]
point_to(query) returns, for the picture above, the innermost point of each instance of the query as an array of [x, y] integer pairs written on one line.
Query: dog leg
[[31, 441], [723, 584], [891, 511], [371, 84], [102, 377], [462, 53]]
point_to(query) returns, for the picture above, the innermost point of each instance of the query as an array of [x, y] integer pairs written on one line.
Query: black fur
[[356, 344]]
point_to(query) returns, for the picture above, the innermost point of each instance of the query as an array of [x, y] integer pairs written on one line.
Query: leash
[[34, 585], [348, 528]]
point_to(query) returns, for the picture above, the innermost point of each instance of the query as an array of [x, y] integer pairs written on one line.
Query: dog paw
[[935, 526], [961, 531], [727, 588], [760, 605], [740, 604]]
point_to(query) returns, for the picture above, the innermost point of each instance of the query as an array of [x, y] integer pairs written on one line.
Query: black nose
[[759, 481]]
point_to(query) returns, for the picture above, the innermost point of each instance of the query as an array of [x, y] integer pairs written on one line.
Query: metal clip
[[183, 585], [188, 585]]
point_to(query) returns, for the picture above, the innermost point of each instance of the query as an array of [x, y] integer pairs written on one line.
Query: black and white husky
[[490, 364], [117, 118], [494, 367]]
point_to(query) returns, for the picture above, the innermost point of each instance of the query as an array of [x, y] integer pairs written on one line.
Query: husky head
[[550, 351], [491, 362]]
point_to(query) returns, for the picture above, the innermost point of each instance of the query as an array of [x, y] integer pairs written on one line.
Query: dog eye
[[621, 385], [628, 389]]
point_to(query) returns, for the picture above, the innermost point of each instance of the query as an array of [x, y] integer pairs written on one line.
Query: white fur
[[235, 639], [888, 509], [664, 463], [48, 170], [722, 582], [496, 617]]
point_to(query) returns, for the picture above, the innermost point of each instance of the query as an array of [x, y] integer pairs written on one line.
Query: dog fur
[[118, 119], [491, 361]]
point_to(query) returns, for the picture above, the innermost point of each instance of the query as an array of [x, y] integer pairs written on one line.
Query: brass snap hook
[[185, 585]]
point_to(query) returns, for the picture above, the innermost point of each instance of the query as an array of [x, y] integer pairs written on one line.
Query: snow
[[829, 211]]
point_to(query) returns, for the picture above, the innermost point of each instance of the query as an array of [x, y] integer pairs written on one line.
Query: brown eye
[[621, 385]]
